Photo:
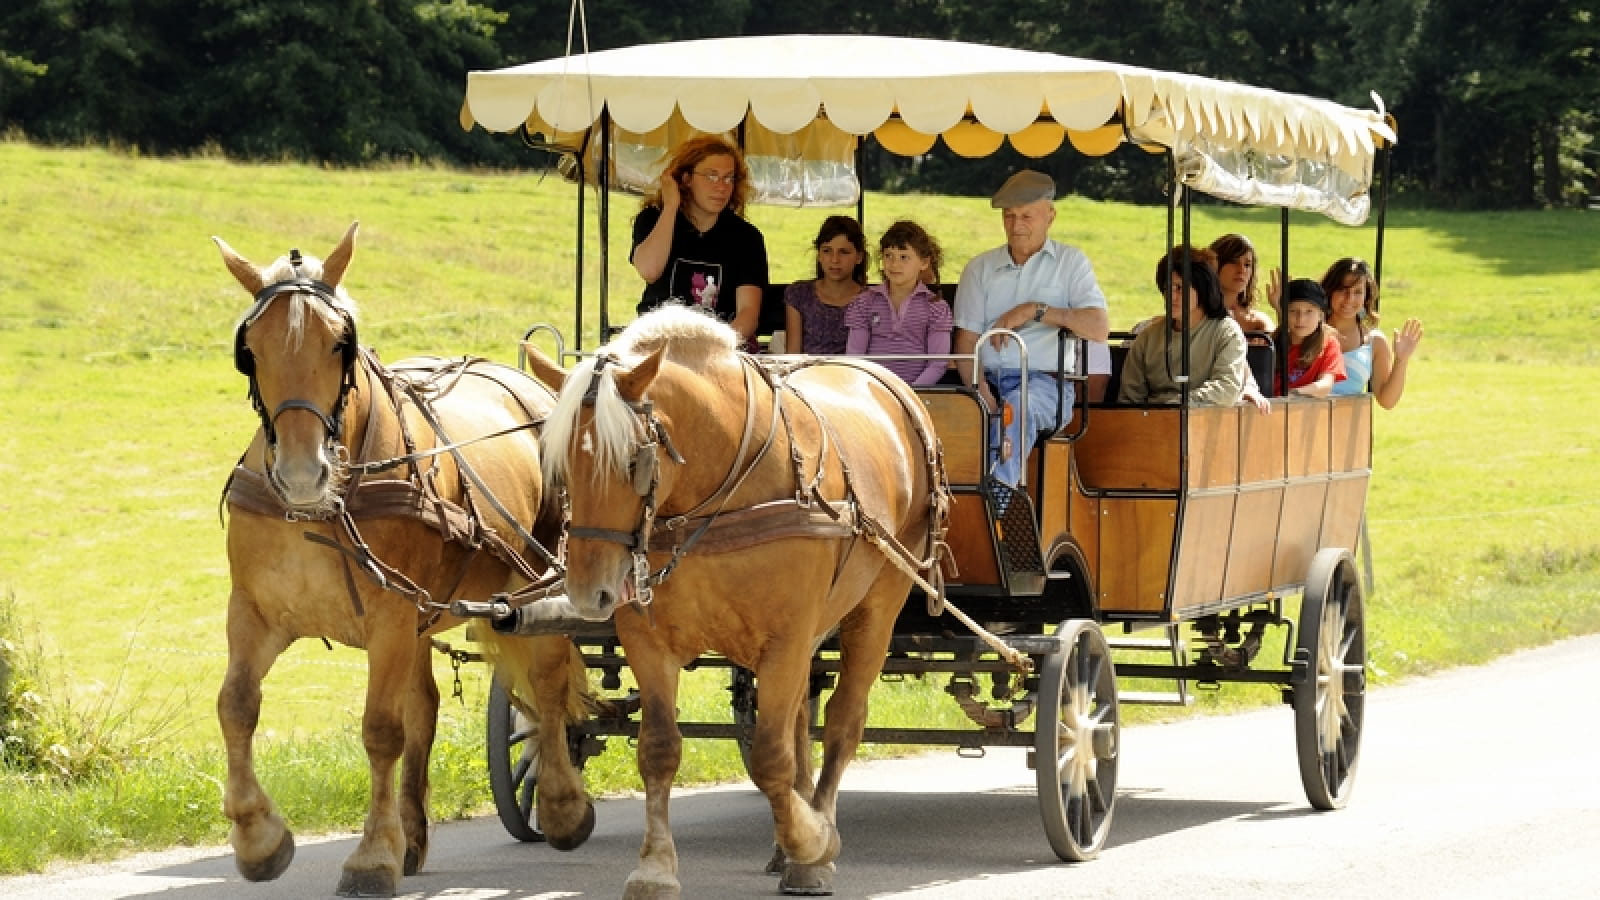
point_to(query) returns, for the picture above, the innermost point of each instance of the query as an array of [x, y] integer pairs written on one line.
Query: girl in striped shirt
[[904, 315]]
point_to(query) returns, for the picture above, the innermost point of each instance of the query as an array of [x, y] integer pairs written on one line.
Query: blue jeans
[[1045, 391]]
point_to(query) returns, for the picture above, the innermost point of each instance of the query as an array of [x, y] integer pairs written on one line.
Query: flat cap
[[1024, 187], [1307, 291]]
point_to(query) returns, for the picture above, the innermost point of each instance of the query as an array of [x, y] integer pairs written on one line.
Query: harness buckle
[[643, 593]]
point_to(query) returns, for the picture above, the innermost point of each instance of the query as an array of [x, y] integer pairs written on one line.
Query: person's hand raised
[[1275, 291], [671, 193], [1406, 338]]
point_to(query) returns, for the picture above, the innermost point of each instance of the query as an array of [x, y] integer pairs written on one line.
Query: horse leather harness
[[415, 496], [245, 361], [807, 514]]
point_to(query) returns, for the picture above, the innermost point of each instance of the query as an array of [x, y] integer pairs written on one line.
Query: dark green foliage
[[1496, 101]]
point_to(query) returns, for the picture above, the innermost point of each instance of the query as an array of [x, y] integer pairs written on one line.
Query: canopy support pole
[[1383, 214], [1283, 303], [603, 179], [577, 274], [861, 185]]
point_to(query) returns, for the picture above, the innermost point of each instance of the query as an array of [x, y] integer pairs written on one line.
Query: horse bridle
[[644, 468], [245, 362], [644, 471]]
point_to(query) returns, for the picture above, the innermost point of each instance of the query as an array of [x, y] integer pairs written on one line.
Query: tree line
[[1496, 102]]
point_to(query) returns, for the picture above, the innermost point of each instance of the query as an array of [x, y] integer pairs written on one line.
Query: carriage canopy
[[805, 101]]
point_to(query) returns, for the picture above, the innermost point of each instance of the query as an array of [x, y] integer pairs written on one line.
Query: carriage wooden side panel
[[1350, 449], [959, 421], [1263, 468], [1261, 494], [1305, 492]]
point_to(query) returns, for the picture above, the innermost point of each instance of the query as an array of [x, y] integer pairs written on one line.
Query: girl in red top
[[1315, 361]]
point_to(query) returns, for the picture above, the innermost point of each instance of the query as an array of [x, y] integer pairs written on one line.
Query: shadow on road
[[893, 841]]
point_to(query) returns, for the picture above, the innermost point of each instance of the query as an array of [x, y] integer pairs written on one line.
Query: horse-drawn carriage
[[1131, 521]]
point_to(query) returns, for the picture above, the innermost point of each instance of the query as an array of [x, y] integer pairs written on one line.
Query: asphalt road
[[1482, 782]]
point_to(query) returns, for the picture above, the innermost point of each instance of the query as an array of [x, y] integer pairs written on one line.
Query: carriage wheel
[[1329, 702], [1076, 742], [513, 742]]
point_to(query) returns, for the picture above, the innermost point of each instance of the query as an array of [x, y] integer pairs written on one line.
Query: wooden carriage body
[[1158, 514]]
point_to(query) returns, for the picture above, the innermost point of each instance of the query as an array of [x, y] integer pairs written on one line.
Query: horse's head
[[297, 346], [605, 445]]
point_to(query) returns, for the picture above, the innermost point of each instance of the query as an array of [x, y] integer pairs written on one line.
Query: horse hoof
[[807, 880], [580, 834], [651, 890], [366, 883], [776, 863], [275, 864], [415, 857]]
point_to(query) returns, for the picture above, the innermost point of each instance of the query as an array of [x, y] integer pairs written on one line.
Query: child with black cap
[[1315, 363]]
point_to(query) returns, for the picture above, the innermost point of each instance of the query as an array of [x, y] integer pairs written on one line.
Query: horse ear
[[243, 269], [633, 383], [544, 368], [333, 267]]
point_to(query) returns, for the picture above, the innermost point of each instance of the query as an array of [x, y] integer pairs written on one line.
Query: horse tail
[[546, 673]]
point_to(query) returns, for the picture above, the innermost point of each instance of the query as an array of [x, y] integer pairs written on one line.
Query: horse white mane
[[310, 267], [693, 340]]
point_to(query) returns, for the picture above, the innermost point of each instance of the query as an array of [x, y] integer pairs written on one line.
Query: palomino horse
[[355, 518], [717, 505]]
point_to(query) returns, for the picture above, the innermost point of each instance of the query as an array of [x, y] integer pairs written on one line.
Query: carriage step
[[1155, 698]]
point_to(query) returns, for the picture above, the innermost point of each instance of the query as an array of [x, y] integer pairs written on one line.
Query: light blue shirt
[[1357, 371], [991, 284]]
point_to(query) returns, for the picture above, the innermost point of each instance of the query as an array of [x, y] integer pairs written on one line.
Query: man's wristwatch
[[1039, 310]]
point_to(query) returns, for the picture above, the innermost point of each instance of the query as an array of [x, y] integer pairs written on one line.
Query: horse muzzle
[[306, 484]]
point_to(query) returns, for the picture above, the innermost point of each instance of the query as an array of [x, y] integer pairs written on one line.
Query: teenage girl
[[1315, 363], [1371, 362], [814, 313], [903, 315], [1236, 269]]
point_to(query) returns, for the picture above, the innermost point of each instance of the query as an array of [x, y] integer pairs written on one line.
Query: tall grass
[[120, 414]]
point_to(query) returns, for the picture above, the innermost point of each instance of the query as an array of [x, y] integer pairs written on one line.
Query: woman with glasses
[[691, 243]]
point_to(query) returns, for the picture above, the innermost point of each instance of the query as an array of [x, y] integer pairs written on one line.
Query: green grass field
[[120, 413]]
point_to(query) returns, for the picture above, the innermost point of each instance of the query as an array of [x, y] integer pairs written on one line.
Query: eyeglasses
[[728, 179]]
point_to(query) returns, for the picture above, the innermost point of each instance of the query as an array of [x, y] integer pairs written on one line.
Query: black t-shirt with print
[[704, 269]]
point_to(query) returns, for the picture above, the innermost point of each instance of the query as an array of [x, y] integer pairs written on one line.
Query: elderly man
[[1034, 286]]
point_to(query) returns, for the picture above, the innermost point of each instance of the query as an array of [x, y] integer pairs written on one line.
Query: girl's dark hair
[[834, 226], [1334, 280], [906, 233], [1202, 278], [1230, 248], [692, 153]]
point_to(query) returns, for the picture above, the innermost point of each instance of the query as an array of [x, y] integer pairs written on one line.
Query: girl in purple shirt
[[814, 319], [903, 315]]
